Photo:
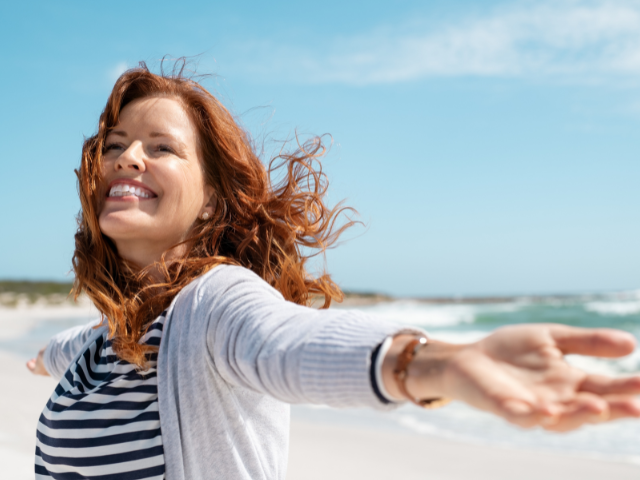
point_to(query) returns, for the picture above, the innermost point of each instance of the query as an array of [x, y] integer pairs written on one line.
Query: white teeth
[[124, 190]]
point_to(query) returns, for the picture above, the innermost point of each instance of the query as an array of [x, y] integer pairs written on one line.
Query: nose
[[132, 158]]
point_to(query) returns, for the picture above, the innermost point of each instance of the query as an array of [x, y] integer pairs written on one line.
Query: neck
[[145, 255]]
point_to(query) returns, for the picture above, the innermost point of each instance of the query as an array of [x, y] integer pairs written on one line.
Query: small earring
[[205, 215]]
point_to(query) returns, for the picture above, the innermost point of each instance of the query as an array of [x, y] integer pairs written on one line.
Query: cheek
[[184, 192]]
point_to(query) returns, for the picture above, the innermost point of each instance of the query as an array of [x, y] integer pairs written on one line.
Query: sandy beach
[[20, 406], [324, 450], [320, 452]]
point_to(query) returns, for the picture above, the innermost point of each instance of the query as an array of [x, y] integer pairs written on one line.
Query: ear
[[210, 201]]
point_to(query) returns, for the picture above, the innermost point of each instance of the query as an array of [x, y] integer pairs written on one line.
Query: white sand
[[15, 322], [24, 396], [321, 451]]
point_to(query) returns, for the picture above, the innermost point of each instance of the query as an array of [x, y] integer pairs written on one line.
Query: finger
[[598, 342], [514, 404], [585, 408], [529, 414], [518, 412], [602, 385], [478, 381], [623, 406], [31, 365]]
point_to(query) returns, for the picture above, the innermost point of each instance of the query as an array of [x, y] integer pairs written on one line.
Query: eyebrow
[[160, 134], [118, 133], [122, 133]]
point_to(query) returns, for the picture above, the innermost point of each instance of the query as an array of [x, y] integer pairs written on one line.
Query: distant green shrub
[[35, 288]]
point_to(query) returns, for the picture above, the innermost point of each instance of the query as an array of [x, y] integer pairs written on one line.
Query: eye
[[111, 146], [165, 149]]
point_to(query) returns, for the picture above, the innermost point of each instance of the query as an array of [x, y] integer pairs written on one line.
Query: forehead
[[156, 114]]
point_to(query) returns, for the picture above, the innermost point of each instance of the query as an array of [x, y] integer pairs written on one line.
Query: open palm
[[520, 374]]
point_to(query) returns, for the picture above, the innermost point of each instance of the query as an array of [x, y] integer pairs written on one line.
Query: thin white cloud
[[567, 39]]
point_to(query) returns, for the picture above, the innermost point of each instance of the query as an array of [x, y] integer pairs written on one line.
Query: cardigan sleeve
[[297, 354], [64, 347]]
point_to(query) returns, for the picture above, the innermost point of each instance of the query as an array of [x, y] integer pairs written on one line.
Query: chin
[[125, 225]]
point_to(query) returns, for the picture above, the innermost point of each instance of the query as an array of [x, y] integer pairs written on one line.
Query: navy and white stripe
[[102, 421]]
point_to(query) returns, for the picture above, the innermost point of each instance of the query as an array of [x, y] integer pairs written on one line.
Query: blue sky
[[490, 147]]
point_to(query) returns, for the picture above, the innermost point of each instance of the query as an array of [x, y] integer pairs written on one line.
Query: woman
[[196, 262]]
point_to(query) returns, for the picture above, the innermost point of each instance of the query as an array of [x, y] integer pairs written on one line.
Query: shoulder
[[232, 277], [225, 282]]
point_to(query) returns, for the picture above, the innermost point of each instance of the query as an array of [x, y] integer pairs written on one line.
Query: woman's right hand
[[519, 373], [36, 365]]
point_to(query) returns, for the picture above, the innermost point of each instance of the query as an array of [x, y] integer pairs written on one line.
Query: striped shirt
[[102, 421]]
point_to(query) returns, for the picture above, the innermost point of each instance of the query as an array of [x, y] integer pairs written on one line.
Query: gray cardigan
[[233, 355]]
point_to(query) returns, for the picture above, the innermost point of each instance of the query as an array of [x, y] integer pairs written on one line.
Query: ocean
[[459, 322], [456, 322]]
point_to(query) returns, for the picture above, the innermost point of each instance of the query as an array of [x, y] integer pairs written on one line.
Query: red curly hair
[[258, 223]]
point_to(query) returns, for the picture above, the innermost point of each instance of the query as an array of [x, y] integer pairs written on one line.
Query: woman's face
[[154, 187]]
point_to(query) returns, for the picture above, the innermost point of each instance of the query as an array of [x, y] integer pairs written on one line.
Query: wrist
[[41, 366], [426, 374]]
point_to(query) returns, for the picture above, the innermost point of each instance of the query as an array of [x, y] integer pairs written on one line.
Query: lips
[[129, 189]]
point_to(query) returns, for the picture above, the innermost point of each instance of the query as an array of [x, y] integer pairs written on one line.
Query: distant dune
[[15, 293]]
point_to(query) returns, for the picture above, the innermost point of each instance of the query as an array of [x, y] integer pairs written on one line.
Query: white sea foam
[[429, 315], [619, 308], [618, 366], [421, 314], [425, 428], [615, 441]]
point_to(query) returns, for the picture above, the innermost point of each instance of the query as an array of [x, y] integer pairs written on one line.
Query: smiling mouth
[[124, 190]]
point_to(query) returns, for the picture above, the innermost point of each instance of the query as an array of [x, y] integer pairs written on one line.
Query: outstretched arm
[[62, 348], [519, 373]]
